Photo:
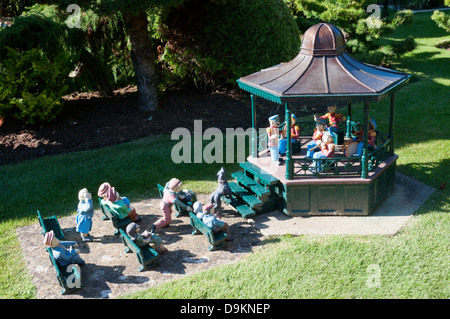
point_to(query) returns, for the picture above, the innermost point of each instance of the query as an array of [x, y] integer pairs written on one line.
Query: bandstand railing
[[336, 166]]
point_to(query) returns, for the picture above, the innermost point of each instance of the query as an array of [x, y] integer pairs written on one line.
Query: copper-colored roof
[[323, 70]]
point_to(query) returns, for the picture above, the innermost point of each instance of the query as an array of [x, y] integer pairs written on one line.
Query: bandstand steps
[[258, 174], [260, 191], [240, 206], [249, 198], [254, 191]]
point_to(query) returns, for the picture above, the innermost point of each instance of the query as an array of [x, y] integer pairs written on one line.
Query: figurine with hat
[[171, 196], [314, 145], [120, 206], [295, 135], [85, 212], [146, 238], [333, 118], [273, 132], [63, 251], [214, 223]]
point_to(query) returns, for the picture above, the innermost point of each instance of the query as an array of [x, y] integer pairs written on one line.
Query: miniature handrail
[[336, 166]]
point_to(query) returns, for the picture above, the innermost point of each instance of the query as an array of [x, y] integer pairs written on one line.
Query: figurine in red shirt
[[333, 118]]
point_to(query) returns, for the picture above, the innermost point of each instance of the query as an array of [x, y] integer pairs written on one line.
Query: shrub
[[442, 20], [31, 86], [216, 42]]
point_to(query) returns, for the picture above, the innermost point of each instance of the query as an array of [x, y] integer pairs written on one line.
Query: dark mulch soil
[[90, 121]]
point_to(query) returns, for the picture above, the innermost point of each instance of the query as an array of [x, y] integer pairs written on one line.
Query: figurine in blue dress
[[85, 213]]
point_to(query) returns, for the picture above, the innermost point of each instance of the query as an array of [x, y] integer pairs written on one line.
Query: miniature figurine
[[85, 211], [214, 223], [170, 197], [333, 118], [371, 136], [198, 209], [63, 251], [327, 148], [273, 132], [317, 138], [223, 189], [146, 238], [120, 206], [295, 135]]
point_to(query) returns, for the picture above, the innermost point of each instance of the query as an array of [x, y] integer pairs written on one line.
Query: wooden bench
[[147, 256], [117, 223], [215, 239], [179, 210], [50, 223], [70, 281]]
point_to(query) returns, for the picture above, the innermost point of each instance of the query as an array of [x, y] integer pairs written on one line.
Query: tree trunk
[[385, 8], [143, 58]]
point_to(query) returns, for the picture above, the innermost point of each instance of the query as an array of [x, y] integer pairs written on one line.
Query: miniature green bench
[[117, 223], [65, 278], [147, 256], [215, 239], [179, 210], [50, 223]]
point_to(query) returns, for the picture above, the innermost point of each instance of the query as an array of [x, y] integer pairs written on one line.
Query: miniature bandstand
[[322, 73]]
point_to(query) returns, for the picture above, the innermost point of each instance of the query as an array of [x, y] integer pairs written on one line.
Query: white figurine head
[[84, 195]]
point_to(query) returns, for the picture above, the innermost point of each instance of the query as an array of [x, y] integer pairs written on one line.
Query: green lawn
[[412, 264]]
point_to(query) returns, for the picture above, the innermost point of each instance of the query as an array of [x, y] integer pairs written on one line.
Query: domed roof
[[323, 39], [323, 72]]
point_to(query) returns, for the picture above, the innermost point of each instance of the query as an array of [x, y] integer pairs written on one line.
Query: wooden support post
[[391, 124], [365, 153], [254, 129], [349, 116], [289, 166]]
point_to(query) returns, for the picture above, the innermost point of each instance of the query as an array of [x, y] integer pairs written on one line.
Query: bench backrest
[[160, 190], [106, 210], [199, 224], [49, 224], [129, 243], [54, 262]]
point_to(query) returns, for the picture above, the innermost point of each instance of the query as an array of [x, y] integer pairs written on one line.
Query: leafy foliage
[[361, 29], [30, 85], [214, 42], [442, 19]]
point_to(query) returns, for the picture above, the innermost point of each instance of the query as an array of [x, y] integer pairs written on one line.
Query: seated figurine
[[313, 146], [146, 238], [120, 206], [327, 148], [214, 223], [333, 118], [295, 135], [198, 210], [171, 196], [371, 136], [63, 251], [85, 211]]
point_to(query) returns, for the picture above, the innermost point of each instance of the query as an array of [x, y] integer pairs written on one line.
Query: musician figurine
[[327, 148], [273, 132], [295, 135], [372, 134], [312, 146], [333, 118]]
